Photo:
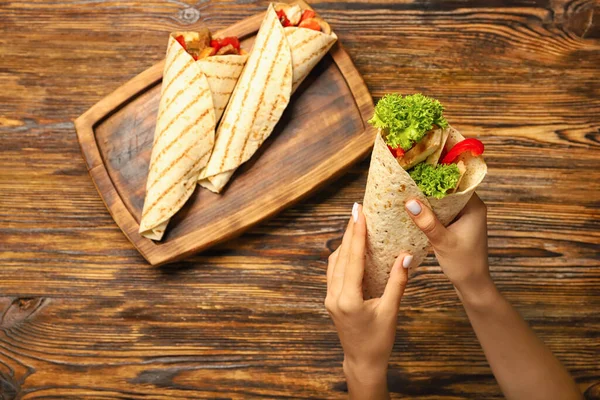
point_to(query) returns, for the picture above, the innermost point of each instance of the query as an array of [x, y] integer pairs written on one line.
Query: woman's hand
[[461, 248], [366, 328], [523, 366]]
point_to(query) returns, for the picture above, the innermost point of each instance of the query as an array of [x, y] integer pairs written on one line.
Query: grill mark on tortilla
[[168, 67], [167, 147], [179, 203], [271, 115], [226, 62], [222, 78], [191, 103], [260, 101], [305, 41], [313, 54], [181, 71], [164, 110], [280, 98], [237, 118], [194, 166], [179, 51]]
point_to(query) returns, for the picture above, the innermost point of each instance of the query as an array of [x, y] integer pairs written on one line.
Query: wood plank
[[245, 319]]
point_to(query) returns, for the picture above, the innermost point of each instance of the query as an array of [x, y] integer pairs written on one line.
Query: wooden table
[[82, 314]]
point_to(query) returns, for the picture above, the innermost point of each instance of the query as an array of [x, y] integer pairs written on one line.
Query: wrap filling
[[295, 16], [415, 132], [201, 44]]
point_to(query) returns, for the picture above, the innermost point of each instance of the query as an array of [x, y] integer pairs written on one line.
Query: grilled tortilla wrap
[[390, 231], [279, 62], [193, 96]]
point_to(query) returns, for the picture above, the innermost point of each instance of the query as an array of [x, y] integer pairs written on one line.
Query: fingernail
[[407, 260], [413, 207], [355, 212]]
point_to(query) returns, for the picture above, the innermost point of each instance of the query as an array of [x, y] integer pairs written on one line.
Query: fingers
[[426, 220], [356, 261], [474, 212], [337, 277], [396, 284]]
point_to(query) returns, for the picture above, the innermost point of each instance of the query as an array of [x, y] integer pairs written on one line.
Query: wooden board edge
[[119, 212], [356, 83], [98, 174]]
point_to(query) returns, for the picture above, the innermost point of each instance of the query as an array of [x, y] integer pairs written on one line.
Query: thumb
[[394, 289], [427, 222]]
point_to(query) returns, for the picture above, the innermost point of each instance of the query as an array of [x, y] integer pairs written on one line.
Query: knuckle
[[329, 304], [346, 305], [428, 224]]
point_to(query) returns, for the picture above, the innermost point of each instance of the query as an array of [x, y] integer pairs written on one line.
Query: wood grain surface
[[322, 133], [84, 316]]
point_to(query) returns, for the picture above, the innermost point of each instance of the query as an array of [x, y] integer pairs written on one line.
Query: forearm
[[366, 383], [523, 366]]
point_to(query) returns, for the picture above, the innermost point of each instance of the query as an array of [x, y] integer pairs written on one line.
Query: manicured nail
[[407, 260], [355, 212], [413, 207]]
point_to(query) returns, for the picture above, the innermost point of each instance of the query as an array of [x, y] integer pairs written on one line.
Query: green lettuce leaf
[[435, 181], [405, 120]]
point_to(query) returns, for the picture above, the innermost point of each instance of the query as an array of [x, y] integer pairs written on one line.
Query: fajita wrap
[[390, 231], [197, 84], [285, 51]]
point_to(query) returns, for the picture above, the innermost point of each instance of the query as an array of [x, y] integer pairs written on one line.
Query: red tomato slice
[[181, 41], [283, 18], [397, 152], [307, 14], [310, 24], [231, 40]]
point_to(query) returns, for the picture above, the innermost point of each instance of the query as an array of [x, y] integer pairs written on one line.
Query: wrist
[[479, 294], [364, 374]]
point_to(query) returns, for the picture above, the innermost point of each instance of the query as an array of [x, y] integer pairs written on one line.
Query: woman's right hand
[[461, 248]]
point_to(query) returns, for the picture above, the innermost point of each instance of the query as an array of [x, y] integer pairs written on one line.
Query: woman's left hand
[[367, 329]]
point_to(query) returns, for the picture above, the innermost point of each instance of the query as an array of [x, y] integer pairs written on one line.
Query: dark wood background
[[82, 314]]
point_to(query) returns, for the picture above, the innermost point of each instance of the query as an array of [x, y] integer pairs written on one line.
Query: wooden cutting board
[[322, 132]]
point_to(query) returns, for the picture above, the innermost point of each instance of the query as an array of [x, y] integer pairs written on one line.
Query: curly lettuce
[[405, 120], [435, 181]]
